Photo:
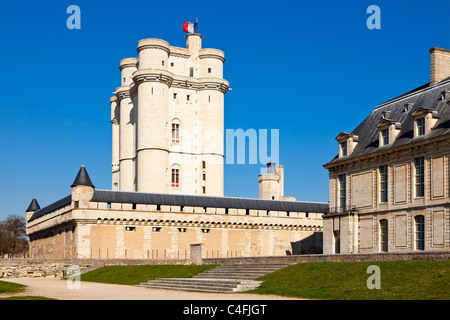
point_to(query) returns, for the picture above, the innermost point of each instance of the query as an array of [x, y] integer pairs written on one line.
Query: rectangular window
[[385, 136], [384, 235], [188, 97], [162, 62], [171, 64], [175, 132], [209, 70], [420, 232], [191, 72], [420, 126], [342, 192], [203, 164], [344, 148], [175, 178], [420, 176], [174, 95], [383, 184]]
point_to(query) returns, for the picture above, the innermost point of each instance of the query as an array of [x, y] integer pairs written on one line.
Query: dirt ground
[[62, 290]]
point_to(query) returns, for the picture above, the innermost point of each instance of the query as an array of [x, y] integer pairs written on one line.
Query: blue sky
[[308, 68]]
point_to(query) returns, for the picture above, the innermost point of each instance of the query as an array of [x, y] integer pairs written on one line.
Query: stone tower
[[168, 119]]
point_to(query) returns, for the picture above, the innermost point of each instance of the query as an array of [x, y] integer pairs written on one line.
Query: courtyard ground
[[58, 289]]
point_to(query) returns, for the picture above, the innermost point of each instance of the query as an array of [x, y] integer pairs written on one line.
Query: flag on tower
[[190, 27]]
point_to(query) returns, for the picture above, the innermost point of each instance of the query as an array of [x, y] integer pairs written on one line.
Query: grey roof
[[207, 201], [425, 96], [52, 207], [34, 206], [82, 178]]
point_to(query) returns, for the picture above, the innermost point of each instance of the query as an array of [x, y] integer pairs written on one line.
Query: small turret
[[32, 208], [82, 178], [82, 189]]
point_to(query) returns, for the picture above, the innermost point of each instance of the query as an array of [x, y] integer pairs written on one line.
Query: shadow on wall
[[309, 245]]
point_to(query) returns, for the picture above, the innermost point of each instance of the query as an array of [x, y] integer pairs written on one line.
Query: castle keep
[[168, 119], [167, 176]]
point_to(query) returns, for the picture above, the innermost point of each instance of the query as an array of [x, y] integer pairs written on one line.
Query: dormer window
[[344, 148], [420, 124], [387, 131], [425, 119], [347, 143], [385, 136]]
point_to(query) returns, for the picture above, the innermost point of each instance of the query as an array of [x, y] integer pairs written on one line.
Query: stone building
[[389, 183], [90, 223], [168, 119], [167, 175]]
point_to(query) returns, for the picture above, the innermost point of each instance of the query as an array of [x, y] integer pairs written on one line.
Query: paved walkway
[[58, 289]]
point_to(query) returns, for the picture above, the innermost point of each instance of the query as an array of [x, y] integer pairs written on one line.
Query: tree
[[13, 239]]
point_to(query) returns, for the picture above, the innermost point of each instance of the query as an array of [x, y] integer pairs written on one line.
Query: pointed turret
[[32, 208], [82, 178]]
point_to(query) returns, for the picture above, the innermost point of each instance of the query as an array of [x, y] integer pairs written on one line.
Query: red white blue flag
[[190, 27]]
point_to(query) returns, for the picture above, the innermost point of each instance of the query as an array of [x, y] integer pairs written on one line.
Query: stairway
[[225, 278]]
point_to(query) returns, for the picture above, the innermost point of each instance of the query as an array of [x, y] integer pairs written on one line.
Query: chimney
[[440, 64]]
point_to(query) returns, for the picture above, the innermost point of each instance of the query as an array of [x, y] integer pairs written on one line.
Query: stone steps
[[226, 278], [204, 285]]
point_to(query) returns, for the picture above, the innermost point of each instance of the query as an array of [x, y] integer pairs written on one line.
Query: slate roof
[[82, 178], [207, 201], [424, 96], [189, 200], [52, 207], [34, 206]]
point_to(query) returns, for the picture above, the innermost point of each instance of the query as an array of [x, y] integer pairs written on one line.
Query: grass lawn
[[132, 275], [27, 298], [9, 287], [400, 280]]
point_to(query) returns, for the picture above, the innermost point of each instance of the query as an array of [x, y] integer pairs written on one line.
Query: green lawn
[[9, 287], [400, 280], [132, 275], [27, 298]]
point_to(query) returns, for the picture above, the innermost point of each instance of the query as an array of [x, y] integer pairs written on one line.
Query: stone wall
[[18, 268], [418, 256]]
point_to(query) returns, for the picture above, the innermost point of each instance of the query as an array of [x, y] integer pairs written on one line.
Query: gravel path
[[58, 289]]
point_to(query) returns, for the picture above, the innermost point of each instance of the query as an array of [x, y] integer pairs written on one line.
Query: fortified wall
[[101, 224]]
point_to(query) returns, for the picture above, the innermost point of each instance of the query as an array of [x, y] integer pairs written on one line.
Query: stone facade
[[96, 224], [168, 119], [389, 184]]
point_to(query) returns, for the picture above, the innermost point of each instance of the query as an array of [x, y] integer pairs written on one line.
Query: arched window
[[175, 131], [420, 232], [384, 235], [204, 176], [175, 176]]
